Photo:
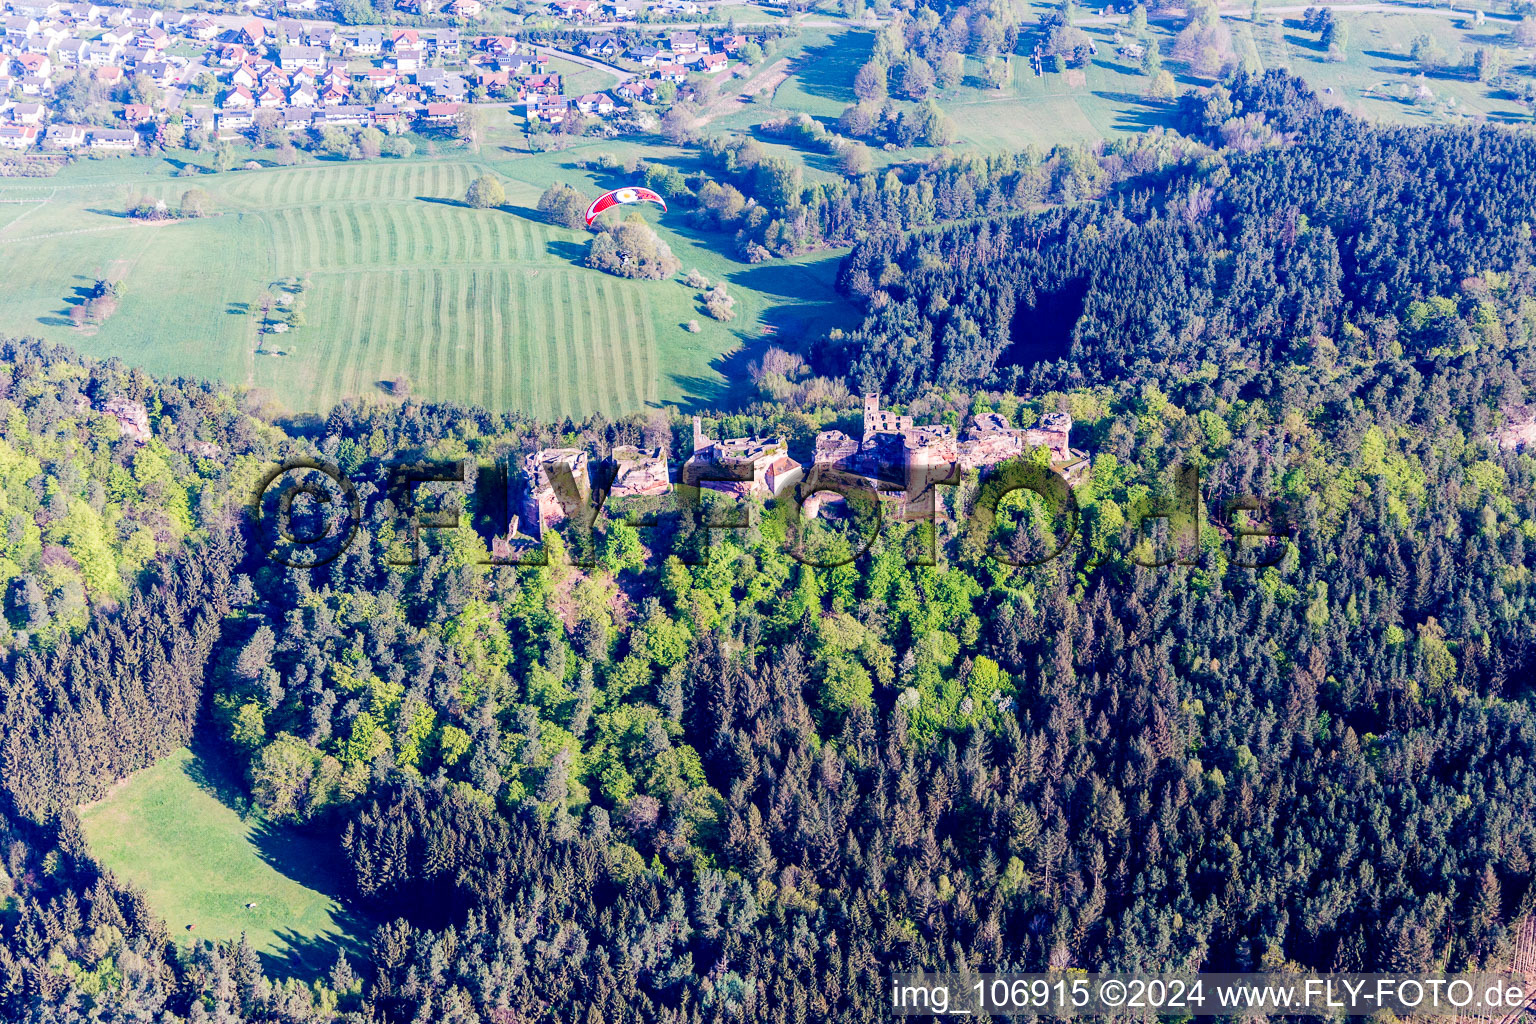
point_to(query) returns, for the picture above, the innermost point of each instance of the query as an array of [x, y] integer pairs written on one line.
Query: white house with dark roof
[[65, 136], [113, 139], [291, 58]]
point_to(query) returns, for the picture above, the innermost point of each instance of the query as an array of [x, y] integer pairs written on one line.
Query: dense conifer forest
[[669, 787]]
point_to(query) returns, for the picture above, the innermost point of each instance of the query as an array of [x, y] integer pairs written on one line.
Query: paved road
[[176, 92]]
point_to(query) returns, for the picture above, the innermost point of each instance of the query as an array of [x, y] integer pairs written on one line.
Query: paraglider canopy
[[621, 197]]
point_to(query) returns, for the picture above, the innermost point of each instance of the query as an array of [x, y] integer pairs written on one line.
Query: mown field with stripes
[[400, 279]]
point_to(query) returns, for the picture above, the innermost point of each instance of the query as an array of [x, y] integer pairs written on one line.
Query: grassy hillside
[[1106, 99], [199, 864], [486, 307]]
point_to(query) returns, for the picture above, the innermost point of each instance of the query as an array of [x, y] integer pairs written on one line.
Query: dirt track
[[765, 82]]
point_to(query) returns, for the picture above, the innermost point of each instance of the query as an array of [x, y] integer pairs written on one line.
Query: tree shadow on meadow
[[311, 957], [574, 253], [828, 71], [309, 857], [1139, 113]]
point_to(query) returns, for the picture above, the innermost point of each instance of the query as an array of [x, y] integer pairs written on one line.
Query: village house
[[347, 115], [118, 37], [50, 34], [594, 103], [683, 42], [19, 29], [36, 64], [138, 113], [27, 113], [252, 33], [636, 92], [378, 78], [712, 63], [547, 108], [440, 113], [65, 136], [366, 43], [72, 53], [113, 140], [498, 46], [646, 56], [452, 87], [492, 80], [671, 73], [624, 10], [605, 45], [407, 59], [390, 118], [18, 136], [233, 121], [228, 55], [576, 10], [291, 58], [544, 85], [159, 72], [201, 118], [323, 36], [103, 55], [34, 9]]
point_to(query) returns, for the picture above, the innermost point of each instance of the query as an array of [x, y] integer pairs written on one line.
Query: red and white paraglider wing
[[621, 197]]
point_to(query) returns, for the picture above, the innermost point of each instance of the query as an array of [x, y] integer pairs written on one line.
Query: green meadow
[[487, 307], [200, 864]]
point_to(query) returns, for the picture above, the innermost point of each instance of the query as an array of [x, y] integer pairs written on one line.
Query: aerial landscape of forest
[[702, 510]]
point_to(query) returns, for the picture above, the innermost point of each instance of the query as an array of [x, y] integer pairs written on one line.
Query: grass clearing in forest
[[199, 863]]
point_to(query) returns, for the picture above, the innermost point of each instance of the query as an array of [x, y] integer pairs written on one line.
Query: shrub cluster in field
[[632, 249]]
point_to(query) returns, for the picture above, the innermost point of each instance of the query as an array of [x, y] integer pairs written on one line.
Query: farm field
[[488, 307], [199, 863]]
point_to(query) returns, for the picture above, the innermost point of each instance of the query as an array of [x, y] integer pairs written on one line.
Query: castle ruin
[[744, 467]]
